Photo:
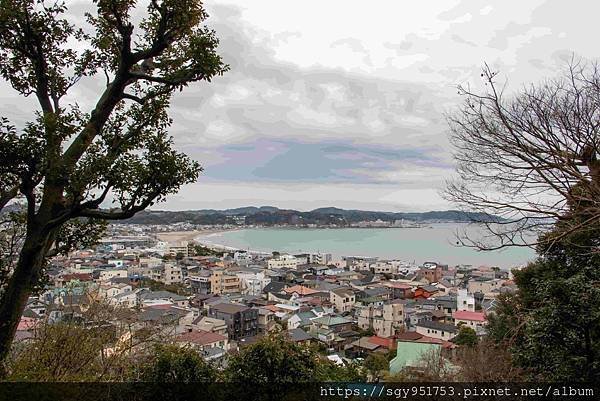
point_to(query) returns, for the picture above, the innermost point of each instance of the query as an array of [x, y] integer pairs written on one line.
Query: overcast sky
[[341, 103]]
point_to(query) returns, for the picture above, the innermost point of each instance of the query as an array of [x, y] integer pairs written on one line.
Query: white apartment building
[[283, 261], [465, 301]]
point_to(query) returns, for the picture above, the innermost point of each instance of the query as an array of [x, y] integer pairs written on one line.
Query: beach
[[176, 237]]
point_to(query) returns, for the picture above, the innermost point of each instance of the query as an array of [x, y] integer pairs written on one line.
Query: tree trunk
[[19, 288]]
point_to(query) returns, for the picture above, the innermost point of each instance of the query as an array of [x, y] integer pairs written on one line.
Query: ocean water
[[436, 242]]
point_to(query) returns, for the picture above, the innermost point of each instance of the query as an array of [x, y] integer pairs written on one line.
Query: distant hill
[[269, 215]]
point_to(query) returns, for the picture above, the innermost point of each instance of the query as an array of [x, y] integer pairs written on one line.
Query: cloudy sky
[[342, 103]]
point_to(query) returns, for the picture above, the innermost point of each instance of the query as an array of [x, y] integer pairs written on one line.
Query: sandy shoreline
[[174, 237]]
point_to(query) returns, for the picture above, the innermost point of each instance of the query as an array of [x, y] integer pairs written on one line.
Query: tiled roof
[[300, 290], [229, 308], [468, 315], [200, 337]]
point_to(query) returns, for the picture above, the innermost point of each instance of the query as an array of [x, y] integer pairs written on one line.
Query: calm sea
[[436, 242]]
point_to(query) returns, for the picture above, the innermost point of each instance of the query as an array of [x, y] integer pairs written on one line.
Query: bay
[[435, 242]]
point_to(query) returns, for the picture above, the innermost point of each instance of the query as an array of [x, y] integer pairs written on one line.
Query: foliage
[[552, 324], [174, 364], [200, 250], [433, 366], [328, 371], [71, 167], [154, 285], [12, 234], [98, 346], [273, 359], [486, 361], [375, 364], [466, 336]]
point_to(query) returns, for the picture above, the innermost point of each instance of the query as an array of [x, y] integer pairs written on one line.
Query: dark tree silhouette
[[530, 158]]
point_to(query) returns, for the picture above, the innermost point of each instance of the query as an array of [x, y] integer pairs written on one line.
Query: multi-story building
[[241, 320], [343, 299], [441, 331], [252, 281], [385, 320], [200, 283], [172, 274], [465, 301], [224, 283], [282, 261]]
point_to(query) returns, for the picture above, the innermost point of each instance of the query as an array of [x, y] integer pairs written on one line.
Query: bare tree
[[531, 158]]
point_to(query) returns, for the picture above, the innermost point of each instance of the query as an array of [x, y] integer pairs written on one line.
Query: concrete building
[[282, 261], [241, 320], [343, 299]]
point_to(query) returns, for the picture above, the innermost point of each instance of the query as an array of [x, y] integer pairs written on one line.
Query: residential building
[[343, 299], [440, 331], [241, 320], [282, 261]]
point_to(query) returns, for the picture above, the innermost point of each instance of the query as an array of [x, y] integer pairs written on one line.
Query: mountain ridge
[[271, 215]]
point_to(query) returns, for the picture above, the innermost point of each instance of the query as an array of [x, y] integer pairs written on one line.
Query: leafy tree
[[66, 164], [328, 371], [552, 325], [153, 285], [174, 364], [466, 336], [271, 360], [99, 345], [200, 250], [376, 364]]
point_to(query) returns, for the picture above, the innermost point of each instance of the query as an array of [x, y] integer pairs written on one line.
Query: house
[[342, 299], [206, 323], [170, 318], [399, 290], [109, 290], [148, 298], [385, 320], [299, 290], [266, 320], [203, 342], [106, 275], [474, 320], [425, 291], [282, 261], [241, 320], [484, 285], [127, 299], [410, 355], [465, 301], [441, 331], [252, 281], [299, 336], [25, 328], [300, 319], [363, 347], [333, 322]]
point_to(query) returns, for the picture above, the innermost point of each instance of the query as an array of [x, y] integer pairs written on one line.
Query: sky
[[343, 103]]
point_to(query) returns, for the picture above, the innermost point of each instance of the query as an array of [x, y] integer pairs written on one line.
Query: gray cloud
[[373, 121]]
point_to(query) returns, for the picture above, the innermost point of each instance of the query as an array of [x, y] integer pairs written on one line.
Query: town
[[219, 301]]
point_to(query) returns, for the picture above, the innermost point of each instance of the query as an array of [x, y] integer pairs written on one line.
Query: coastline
[[407, 246], [203, 235], [175, 237]]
